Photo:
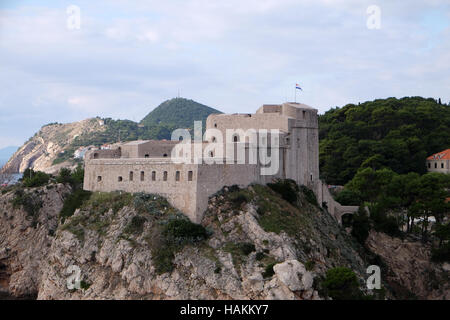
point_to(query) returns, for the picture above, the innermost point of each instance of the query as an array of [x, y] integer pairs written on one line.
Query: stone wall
[[106, 175], [438, 164]]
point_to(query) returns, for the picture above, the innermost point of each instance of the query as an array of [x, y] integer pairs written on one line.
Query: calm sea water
[[12, 179]]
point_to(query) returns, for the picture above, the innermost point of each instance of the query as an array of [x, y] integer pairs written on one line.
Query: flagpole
[[295, 94]]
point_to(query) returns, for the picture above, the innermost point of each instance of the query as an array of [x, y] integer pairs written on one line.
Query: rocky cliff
[[28, 221], [407, 267], [252, 244], [41, 150]]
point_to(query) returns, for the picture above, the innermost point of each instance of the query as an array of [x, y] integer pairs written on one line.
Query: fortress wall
[[333, 207], [212, 178], [269, 108], [181, 194], [247, 121], [129, 150], [105, 154], [156, 150]]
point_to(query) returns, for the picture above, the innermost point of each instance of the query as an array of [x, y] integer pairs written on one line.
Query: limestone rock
[[293, 274]]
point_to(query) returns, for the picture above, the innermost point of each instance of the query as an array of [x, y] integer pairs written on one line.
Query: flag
[[297, 86]]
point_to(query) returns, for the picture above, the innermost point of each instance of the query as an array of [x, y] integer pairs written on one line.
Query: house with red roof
[[439, 162]]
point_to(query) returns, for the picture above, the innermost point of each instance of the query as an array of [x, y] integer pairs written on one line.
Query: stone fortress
[[149, 166]]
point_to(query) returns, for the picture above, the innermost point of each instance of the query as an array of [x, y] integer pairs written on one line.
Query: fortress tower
[[290, 130]]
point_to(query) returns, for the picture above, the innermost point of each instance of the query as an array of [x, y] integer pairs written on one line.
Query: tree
[[361, 225], [394, 133], [371, 184], [442, 231], [341, 284], [33, 178]]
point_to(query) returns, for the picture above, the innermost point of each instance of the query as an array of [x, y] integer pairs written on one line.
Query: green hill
[[178, 112], [395, 133]]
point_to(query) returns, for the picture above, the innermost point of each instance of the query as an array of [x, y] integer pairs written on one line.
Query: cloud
[[233, 55]]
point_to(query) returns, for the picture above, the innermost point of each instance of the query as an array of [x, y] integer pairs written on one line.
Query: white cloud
[[233, 55]]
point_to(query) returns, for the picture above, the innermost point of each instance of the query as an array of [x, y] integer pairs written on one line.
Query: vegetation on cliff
[[386, 133]]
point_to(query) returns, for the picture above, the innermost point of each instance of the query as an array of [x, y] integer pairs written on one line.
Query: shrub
[[309, 195], [72, 202], [268, 271], [441, 254], [64, 176], [341, 284], [383, 222], [29, 202], [184, 231], [162, 259], [169, 238], [238, 198], [152, 204], [259, 256], [309, 265], [288, 189], [84, 285], [78, 175], [32, 179], [135, 226], [103, 201], [361, 225], [247, 248]]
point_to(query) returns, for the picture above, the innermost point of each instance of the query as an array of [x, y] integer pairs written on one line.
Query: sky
[[124, 58]]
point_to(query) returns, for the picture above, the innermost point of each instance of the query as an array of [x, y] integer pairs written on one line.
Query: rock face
[[44, 147], [108, 249], [25, 239], [409, 267], [114, 266]]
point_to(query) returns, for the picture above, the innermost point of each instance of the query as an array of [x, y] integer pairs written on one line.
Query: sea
[[11, 179]]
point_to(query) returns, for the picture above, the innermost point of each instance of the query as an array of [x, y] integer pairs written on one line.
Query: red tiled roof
[[443, 155]]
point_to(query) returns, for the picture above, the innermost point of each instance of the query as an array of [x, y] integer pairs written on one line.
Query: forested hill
[[178, 112], [395, 133]]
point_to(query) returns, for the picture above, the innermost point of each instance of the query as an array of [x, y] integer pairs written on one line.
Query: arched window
[[99, 178], [119, 179], [236, 138], [211, 154], [165, 176], [131, 175], [190, 174], [177, 176], [153, 175], [147, 156], [142, 175], [165, 155], [213, 139]]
